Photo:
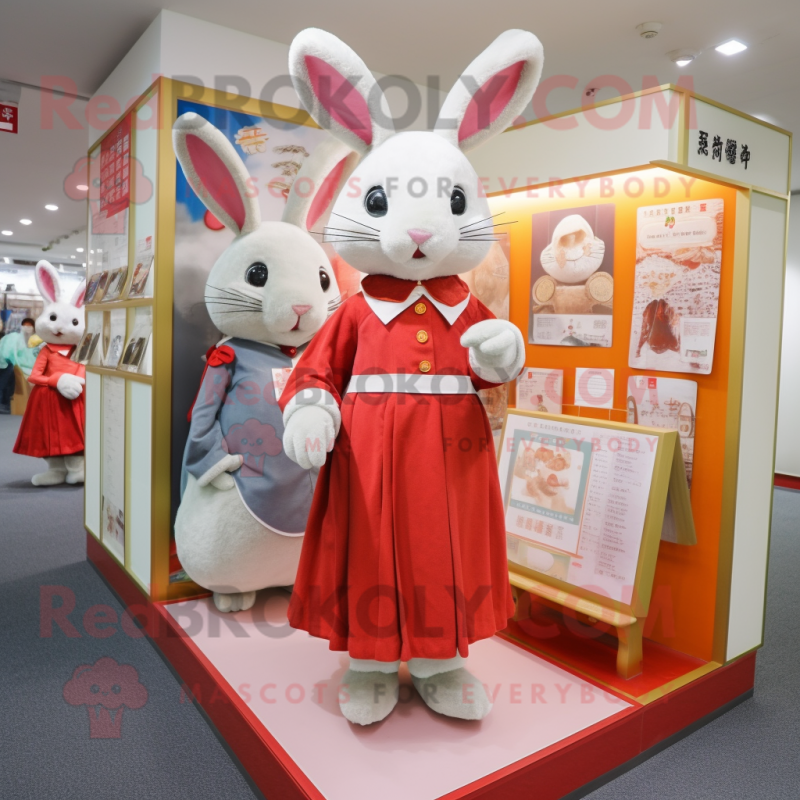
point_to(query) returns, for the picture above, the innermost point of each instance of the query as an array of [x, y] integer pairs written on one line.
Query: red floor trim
[[787, 481], [547, 775]]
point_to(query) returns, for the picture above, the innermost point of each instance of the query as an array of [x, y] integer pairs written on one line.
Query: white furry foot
[[75, 469], [51, 477], [367, 697], [239, 601], [457, 693]]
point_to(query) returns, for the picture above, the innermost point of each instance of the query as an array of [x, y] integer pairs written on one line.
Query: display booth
[[677, 206]]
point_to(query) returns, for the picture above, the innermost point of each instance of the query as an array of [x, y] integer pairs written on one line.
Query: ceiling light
[[25, 222], [72, 256], [51, 207], [682, 57], [84, 263], [731, 48], [82, 187], [78, 249], [7, 259], [7, 233]]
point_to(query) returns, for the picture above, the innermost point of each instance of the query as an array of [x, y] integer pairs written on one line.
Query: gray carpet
[[166, 751]]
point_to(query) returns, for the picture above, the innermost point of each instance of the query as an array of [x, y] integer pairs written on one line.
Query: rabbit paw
[[367, 697], [309, 436], [238, 601], [218, 475], [54, 475], [496, 350], [457, 693], [70, 386]]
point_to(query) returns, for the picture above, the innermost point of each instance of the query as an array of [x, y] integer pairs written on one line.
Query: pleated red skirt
[[52, 425]]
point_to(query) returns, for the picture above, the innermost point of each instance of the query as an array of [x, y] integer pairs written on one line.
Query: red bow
[[449, 290], [215, 357]]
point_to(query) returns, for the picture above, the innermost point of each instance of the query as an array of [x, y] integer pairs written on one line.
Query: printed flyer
[[676, 286], [572, 276], [541, 390], [668, 403], [576, 498]]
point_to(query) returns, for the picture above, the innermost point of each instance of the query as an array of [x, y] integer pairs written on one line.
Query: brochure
[[541, 390]]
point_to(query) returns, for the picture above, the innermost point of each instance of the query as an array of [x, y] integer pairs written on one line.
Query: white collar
[[386, 310]]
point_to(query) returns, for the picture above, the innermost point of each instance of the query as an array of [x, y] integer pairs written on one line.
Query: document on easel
[[576, 497]]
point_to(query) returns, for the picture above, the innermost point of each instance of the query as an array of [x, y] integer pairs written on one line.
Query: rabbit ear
[[80, 294], [318, 184], [47, 281], [216, 173], [338, 90], [493, 90]]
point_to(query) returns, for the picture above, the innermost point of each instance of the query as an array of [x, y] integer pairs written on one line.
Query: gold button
[[422, 336], [424, 366], [420, 308]]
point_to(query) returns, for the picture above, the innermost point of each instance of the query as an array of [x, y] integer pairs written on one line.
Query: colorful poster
[[273, 152], [576, 498], [676, 286], [669, 403], [489, 283], [113, 534], [572, 277], [541, 390]]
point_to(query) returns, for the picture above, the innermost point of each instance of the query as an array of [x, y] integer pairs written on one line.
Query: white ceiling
[[85, 39]]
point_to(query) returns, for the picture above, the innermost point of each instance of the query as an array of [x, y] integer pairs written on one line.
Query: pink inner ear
[[216, 179], [350, 110], [47, 285], [484, 109], [325, 195], [78, 299]]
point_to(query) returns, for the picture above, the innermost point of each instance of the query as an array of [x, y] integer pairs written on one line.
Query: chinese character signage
[[115, 168], [9, 118], [730, 151]]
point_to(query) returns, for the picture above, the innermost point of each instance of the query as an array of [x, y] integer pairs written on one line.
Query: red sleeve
[[327, 362], [37, 376]]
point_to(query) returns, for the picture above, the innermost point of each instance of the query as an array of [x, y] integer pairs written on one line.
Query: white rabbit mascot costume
[[244, 506], [52, 427], [405, 555]]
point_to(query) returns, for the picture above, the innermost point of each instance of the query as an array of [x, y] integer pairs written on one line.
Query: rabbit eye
[[458, 201], [376, 202], [257, 274], [74, 322], [53, 318], [324, 280]]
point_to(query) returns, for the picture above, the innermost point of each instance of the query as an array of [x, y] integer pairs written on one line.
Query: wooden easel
[[668, 483]]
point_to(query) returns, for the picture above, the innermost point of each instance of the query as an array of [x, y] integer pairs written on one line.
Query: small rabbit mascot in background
[[405, 550], [52, 427], [244, 505]]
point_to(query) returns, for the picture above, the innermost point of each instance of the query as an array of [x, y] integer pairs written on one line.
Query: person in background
[[16, 349]]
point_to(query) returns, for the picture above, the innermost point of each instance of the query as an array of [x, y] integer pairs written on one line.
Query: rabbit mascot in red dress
[[52, 427], [405, 552]]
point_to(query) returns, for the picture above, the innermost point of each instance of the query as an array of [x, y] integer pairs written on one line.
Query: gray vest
[[237, 411]]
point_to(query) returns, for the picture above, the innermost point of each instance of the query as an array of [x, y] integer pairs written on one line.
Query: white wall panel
[[759, 417]]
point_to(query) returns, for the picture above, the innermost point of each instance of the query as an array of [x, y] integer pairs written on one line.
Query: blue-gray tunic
[[237, 411]]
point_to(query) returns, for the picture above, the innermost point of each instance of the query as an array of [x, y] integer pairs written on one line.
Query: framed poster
[[585, 503], [572, 276], [676, 286]]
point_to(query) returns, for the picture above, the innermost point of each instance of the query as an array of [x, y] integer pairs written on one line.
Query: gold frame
[[167, 93]]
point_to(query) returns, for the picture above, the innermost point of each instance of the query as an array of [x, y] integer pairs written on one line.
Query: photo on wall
[[572, 277], [676, 286]]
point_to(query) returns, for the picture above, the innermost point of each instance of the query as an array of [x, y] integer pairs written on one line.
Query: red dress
[[404, 554], [52, 425]]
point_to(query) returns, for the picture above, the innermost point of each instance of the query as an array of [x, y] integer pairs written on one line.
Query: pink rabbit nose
[[419, 236], [300, 310]]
